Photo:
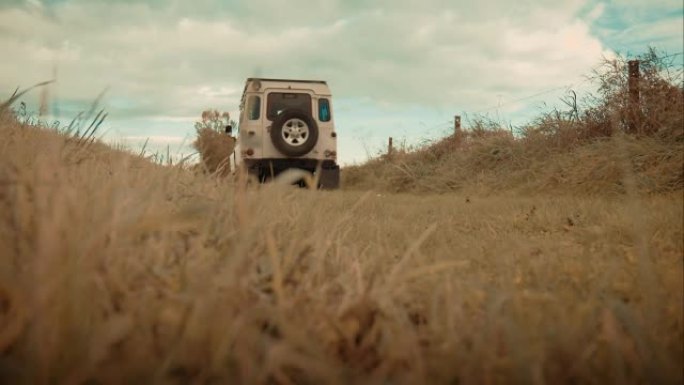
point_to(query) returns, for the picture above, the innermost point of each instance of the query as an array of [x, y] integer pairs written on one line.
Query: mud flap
[[330, 178]]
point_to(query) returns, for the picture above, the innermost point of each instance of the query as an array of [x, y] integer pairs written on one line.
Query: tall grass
[[114, 269]]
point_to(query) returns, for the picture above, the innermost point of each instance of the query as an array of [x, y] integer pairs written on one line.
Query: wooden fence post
[[634, 104], [389, 147], [457, 129]]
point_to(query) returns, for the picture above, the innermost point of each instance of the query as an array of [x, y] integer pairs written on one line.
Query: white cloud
[[156, 139], [629, 26], [596, 12], [173, 59], [175, 119], [400, 53], [36, 4], [664, 34]]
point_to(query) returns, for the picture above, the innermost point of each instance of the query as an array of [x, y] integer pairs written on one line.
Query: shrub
[[214, 146]]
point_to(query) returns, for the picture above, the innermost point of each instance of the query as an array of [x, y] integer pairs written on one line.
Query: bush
[[214, 146]]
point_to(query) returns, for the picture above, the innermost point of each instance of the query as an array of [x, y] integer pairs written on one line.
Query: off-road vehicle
[[288, 124]]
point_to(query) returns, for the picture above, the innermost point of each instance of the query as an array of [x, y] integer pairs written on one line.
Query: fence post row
[[633, 85], [633, 118]]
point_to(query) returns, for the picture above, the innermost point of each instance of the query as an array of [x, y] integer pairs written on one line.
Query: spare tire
[[294, 132]]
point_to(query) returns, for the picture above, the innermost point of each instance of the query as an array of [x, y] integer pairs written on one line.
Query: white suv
[[288, 124]]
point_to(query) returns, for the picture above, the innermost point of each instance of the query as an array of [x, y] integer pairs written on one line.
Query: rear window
[[279, 101], [323, 110], [253, 107]]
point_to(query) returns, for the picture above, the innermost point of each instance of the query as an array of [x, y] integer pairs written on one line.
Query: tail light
[[330, 154]]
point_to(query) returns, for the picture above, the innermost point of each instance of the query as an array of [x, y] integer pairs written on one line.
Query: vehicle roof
[[287, 80], [319, 87]]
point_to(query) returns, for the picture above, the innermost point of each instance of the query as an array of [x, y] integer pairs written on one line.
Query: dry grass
[[116, 270], [581, 150], [215, 150], [500, 164], [553, 259]]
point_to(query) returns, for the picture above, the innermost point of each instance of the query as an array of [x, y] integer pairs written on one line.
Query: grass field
[[117, 270]]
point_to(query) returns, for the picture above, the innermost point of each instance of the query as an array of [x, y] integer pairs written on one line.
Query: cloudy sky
[[400, 68]]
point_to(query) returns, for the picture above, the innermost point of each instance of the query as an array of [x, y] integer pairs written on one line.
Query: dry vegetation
[[115, 270], [496, 163], [582, 150], [215, 150], [213, 145]]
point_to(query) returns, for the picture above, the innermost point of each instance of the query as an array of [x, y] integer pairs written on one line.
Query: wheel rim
[[295, 132]]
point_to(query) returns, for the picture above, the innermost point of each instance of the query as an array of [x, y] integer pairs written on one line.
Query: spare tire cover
[[294, 132]]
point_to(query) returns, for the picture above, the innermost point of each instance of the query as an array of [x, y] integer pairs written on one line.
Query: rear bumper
[[278, 165], [265, 169]]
